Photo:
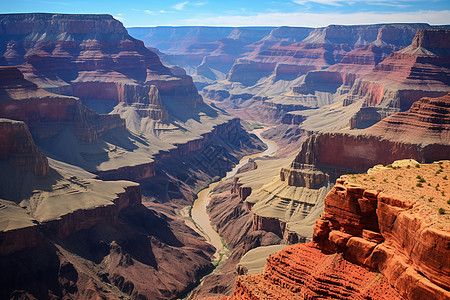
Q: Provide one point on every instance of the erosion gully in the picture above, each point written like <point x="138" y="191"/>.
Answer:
<point x="197" y="217"/>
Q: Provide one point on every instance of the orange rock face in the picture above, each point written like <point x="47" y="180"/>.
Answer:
<point x="383" y="240"/>
<point x="304" y="272"/>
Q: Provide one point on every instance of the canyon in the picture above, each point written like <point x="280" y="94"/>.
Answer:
<point x="108" y="134"/>
<point x="68" y="210"/>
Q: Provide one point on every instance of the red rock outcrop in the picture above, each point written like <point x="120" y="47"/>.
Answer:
<point x="18" y="148"/>
<point x="379" y="236"/>
<point x="304" y="272"/>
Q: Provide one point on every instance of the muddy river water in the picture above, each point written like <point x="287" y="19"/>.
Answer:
<point x="199" y="212"/>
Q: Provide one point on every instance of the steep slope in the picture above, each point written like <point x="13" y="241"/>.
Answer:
<point x="378" y="238"/>
<point x="94" y="238"/>
<point x="65" y="234"/>
<point x="72" y="132"/>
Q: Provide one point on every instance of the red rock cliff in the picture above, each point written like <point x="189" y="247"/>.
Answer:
<point x="377" y="239"/>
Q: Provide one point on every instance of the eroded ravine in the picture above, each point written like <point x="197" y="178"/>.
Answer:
<point x="199" y="216"/>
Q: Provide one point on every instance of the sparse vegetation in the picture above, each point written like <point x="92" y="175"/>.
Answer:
<point x="417" y="165"/>
<point x="445" y="177"/>
<point x="372" y="177"/>
<point x="448" y="201"/>
<point x="385" y="180"/>
<point x="443" y="193"/>
<point x="441" y="211"/>
<point x="408" y="166"/>
<point x="419" y="184"/>
<point x="430" y="199"/>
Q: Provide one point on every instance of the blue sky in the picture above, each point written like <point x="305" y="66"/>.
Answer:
<point x="314" y="13"/>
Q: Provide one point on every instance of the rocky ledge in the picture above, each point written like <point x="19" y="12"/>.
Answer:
<point x="383" y="236"/>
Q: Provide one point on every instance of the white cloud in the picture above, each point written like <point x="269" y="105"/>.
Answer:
<point x="341" y="2"/>
<point x="328" y="2"/>
<point x="201" y="3"/>
<point x="180" y="5"/>
<point x="149" y="12"/>
<point x="320" y="20"/>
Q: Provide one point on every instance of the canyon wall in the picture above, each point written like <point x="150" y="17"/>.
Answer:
<point x="383" y="243"/>
<point x="18" y="148"/>
<point x="56" y="220"/>
<point x="90" y="57"/>
<point x="367" y="66"/>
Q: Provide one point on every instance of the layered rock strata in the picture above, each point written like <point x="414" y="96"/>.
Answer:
<point x="355" y="66"/>
<point x="47" y="114"/>
<point x="372" y="223"/>
<point x="91" y="57"/>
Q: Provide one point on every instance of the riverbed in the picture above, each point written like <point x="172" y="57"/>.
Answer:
<point x="199" y="212"/>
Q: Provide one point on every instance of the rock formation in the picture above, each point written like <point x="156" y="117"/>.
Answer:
<point x="290" y="202"/>
<point x="372" y="223"/>
<point x="425" y="122"/>
<point x="334" y="64"/>
<point x="419" y="70"/>
<point x="91" y="57"/>
<point x="65" y="234"/>
<point x="207" y="53"/>
<point x="18" y="148"/>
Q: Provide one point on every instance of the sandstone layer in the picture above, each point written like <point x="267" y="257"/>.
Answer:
<point x="372" y="223"/>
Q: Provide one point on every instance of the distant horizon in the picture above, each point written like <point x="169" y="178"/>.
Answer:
<point x="251" y="13"/>
<point x="219" y="26"/>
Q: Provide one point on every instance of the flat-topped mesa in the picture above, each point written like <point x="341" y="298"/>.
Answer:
<point x="360" y="152"/>
<point x="39" y="36"/>
<point x="88" y="56"/>
<point x="18" y="149"/>
<point x="47" y="114"/>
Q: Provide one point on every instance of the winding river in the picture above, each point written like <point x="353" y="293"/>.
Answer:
<point x="199" y="212"/>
